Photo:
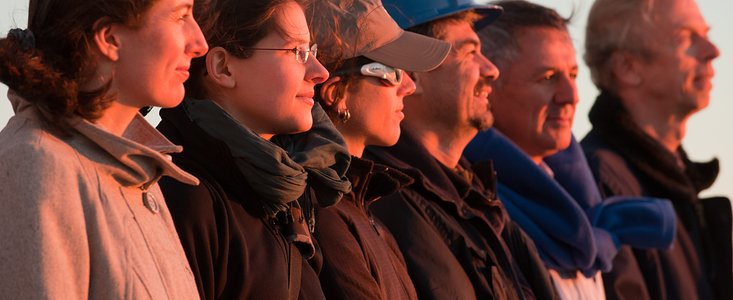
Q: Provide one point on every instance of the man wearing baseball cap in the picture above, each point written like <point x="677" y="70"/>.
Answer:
<point x="456" y="238"/>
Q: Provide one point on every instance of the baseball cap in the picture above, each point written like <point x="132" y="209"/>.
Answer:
<point x="366" y="29"/>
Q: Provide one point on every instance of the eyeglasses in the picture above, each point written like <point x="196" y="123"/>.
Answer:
<point x="388" y="75"/>
<point x="302" y="52"/>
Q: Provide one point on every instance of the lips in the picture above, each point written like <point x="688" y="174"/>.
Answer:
<point x="183" y="70"/>
<point x="306" y="95"/>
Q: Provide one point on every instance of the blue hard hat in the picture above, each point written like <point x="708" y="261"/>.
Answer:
<point x="409" y="13"/>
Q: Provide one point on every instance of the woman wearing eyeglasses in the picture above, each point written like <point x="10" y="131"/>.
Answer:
<point x="366" y="51"/>
<point x="257" y="141"/>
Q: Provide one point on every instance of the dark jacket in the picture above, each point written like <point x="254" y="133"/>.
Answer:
<point x="456" y="238"/>
<point x="626" y="161"/>
<point x="361" y="259"/>
<point x="235" y="251"/>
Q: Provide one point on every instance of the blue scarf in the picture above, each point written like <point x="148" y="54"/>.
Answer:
<point x="573" y="227"/>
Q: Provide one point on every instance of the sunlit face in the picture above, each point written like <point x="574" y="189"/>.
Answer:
<point x="376" y="111"/>
<point x="679" y="75"/>
<point x="154" y="58"/>
<point x="274" y="92"/>
<point x="534" y="101"/>
<point x="457" y="91"/>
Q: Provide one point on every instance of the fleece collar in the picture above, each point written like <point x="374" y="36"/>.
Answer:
<point x="573" y="227"/>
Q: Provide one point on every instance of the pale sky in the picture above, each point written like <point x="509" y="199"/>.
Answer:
<point x="706" y="133"/>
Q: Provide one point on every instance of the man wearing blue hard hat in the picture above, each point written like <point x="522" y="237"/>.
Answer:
<point x="456" y="237"/>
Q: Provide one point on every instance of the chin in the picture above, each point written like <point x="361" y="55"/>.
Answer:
<point x="303" y="126"/>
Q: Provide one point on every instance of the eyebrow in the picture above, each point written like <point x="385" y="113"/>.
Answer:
<point x="543" y="68"/>
<point x="187" y="6"/>
<point x="465" y="42"/>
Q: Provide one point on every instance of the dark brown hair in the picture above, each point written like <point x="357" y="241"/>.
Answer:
<point x="49" y="62"/>
<point x="233" y="25"/>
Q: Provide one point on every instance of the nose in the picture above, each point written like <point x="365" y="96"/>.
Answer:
<point x="566" y="91"/>
<point x="486" y="67"/>
<point x="315" y="72"/>
<point x="407" y="86"/>
<point x="708" y="51"/>
<point x="197" y="45"/>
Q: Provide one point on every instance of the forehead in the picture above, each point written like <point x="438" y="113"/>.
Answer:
<point x="540" y="50"/>
<point x="545" y="42"/>
<point x="291" y="20"/>
<point x="162" y="8"/>
<point x="676" y="14"/>
<point x="459" y="32"/>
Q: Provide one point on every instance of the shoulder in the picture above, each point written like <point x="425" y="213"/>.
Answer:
<point x="611" y="170"/>
<point x="189" y="202"/>
<point x="31" y="156"/>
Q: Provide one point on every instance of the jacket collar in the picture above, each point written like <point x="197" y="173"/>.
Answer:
<point x="371" y="181"/>
<point x="141" y="149"/>
<point x="468" y="199"/>
<point x="616" y="128"/>
<point x="565" y="215"/>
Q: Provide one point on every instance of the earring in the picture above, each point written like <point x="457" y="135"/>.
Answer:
<point x="344" y="115"/>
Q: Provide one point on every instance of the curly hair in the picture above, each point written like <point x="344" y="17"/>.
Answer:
<point x="49" y="70"/>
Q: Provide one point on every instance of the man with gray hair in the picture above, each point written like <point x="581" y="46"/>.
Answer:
<point x="544" y="179"/>
<point x="652" y="61"/>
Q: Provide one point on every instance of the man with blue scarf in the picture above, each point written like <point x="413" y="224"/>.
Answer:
<point x="544" y="180"/>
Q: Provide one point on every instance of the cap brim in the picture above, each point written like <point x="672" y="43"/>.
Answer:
<point x="489" y="14"/>
<point x="411" y="52"/>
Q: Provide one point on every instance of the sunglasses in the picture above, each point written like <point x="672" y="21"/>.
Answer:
<point x="388" y="75"/>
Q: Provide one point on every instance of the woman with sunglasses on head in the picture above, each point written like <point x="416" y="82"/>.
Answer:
<point x="80" y="209"/>
<point x="365" y="51"/>
<point x="258" y="142"/>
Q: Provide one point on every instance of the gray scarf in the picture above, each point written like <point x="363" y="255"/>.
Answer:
<point x="278" y="170"/>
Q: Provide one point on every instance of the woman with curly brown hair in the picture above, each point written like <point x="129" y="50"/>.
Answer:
<point x="80" y="209"/>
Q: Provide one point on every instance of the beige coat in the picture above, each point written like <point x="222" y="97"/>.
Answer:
<point x="73" y="222"/>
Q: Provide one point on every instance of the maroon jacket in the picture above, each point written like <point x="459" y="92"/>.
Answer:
<point x="361" y="259"/>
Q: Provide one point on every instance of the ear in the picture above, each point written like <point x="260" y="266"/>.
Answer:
<point x="625" y="68"/>
<point x="107" y="39"/>
<point x="328" y="89"/>
<point x="218" y="67"/>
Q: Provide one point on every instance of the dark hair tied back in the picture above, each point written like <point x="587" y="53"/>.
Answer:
<point x="24" y="38"/>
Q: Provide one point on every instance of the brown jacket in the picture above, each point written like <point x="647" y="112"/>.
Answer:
<point x="361" y="259"/>
<point x="74" y="222"/>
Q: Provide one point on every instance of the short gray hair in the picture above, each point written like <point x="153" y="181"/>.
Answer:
<point x="613" y="26"/>
<point x="498" y="40"/>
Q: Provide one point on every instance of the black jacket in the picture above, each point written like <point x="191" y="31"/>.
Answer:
<point x="235" y="251"/>
<point x="361" y="259"/>
<point x="626" y="161"/>
<point x="456" y="238"/>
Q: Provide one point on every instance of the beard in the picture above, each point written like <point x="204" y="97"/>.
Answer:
<point x="482" y="123"/>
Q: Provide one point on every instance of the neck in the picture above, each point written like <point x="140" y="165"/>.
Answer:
<point x="667" y="128"/>
<point x="355" y="144"/>
<point x="117" y="118"/>
<point x="445" y="144"/>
